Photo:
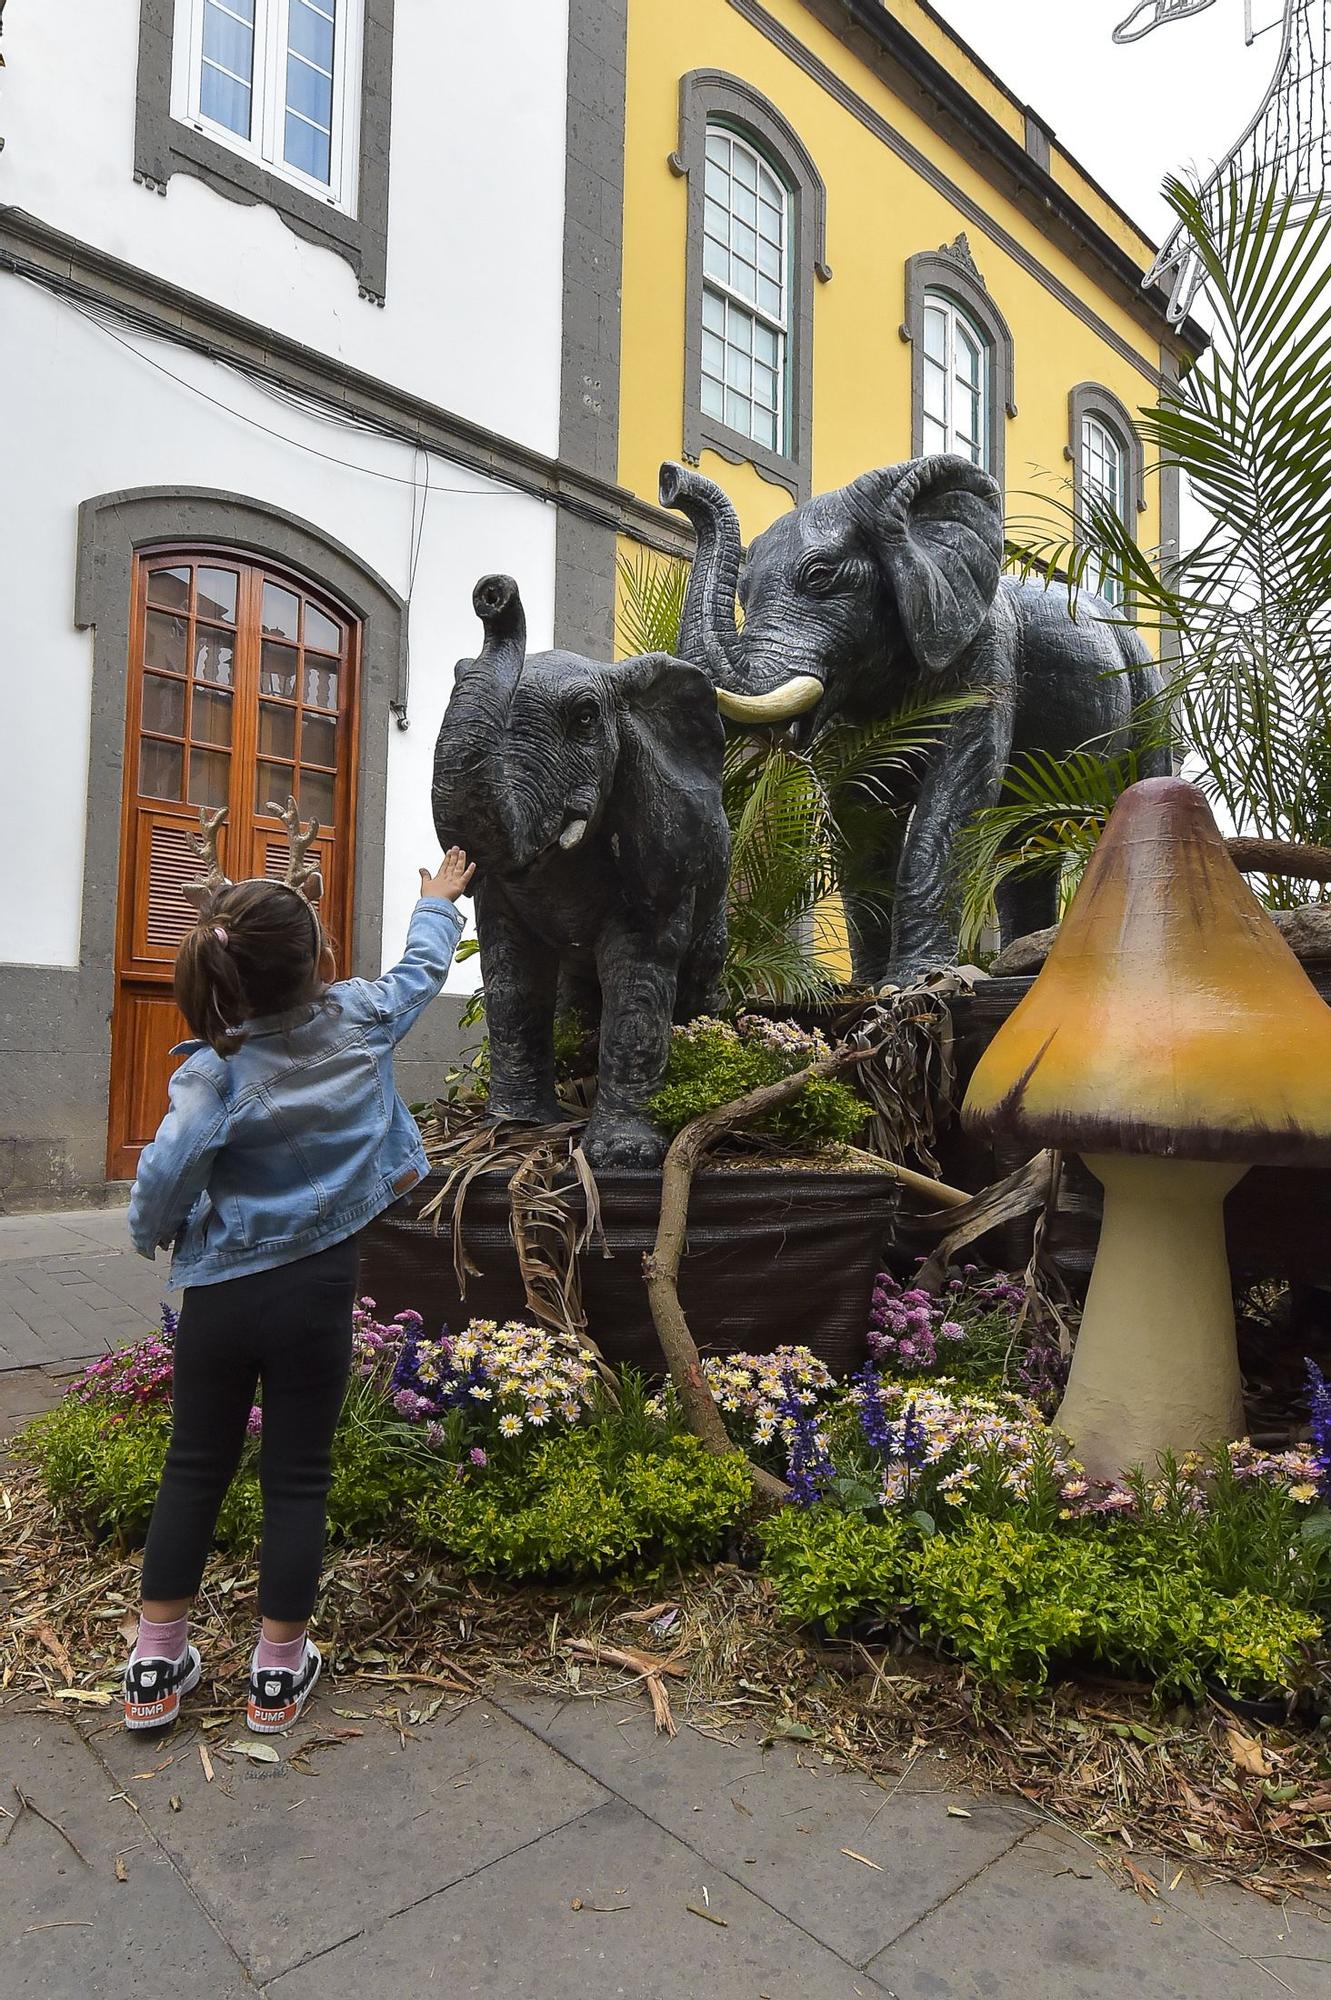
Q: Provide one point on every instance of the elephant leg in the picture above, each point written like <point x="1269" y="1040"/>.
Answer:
<point x="1027" y="903"/>
<point x="868" y="901"/>
<point x="699" y="985"/>
<point x="639" y="979"/>
<point x="964" y="774"/>
<point x="519" y="974"/>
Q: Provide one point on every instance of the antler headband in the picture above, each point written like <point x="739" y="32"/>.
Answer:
<point x="302" y="875"/>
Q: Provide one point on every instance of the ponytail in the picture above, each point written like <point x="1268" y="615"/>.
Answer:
<point x="256" y="950"/>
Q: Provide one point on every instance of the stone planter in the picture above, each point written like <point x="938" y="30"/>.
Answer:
<point x="774" y="1255"/>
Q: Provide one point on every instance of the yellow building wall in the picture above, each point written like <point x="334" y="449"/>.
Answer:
<point x="879" y="212"/>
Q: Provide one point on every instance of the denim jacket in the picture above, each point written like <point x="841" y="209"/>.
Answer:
<point x="299" y="1138"/>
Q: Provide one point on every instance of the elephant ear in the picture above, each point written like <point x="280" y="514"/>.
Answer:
<point x="936" y="527"/>
<point x="668" y="777"/>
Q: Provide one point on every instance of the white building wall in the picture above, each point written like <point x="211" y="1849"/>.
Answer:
<point x="476" y="192"/>
<point x="96" y="408"/>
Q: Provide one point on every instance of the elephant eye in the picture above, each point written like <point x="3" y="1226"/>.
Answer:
<point x="818" y="576"/>
<point x="583" y="718"/>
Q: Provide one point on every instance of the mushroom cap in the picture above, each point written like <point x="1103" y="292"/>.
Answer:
<point x="1170" y="1016"/>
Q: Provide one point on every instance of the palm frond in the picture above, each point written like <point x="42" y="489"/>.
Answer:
<point x="651" y="602"/>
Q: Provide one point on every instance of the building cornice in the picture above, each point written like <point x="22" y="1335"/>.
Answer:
<point x="892" y="52"/>
<point x="33" y="249"/>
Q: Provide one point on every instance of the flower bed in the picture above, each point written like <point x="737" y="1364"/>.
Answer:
<point x="924" y="1503"/>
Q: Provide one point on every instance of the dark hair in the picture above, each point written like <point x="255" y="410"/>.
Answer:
<point x="254" y="951"/>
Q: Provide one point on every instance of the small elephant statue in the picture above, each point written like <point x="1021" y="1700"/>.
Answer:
<point x="890" y="589"/>
<point x="590" y="798"/>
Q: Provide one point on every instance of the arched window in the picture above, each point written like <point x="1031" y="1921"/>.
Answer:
<point x="962" y="361"/>
<point x="756" y="217"/>
<point x="746" y="290"/>
<point x="957" y="381"/>
<point x="1107" y="468"/>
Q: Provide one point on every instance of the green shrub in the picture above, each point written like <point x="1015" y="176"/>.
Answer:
<point x="830" y="1568"/>
<point x="580" y="1509"/>
<point x="710" y="1064"/>
<point x="100" y="1466"/>
<point x="1011" y="1600"/>
<point x="1007" y="1598"/>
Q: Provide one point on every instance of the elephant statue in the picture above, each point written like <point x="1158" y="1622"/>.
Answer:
<point x="887" y="590"/>
<point x="590" y="798"/>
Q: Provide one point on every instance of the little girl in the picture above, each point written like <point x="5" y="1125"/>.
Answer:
<point x="284" y="1137"/>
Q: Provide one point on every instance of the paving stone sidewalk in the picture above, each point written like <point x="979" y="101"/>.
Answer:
<point x="70" y="1288"/>
<point x="541" y="1851"/>
<point x="531" y="1848"/>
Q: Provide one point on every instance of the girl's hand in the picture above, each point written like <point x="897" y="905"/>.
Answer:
<point x="450" y="878"/>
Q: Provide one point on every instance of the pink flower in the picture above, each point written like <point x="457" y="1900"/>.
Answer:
<point x="477" y="1456"/>
<point x="254" y="1422"/>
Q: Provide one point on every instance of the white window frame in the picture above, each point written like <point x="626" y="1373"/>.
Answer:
<point x="777" y="324"/>
<point x="954" y="315"/>
<point x="1106" y="585"/>
<point x="268" y="96"/>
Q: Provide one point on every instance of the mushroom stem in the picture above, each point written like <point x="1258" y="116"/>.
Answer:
<point x="1156" y="1365"/>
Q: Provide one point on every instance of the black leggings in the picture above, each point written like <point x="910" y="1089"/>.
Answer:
<point x="289" y="1330"/>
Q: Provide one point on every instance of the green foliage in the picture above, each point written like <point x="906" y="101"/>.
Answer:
<point x="808" y="826"/>
<point x="100" y="1466"/>
<point x="1012" y="1599"/>
<point x="830" y="1568"/>
<point x="652" y="590"/>
<point x="580" y="1509"/>
<point x="710" y="1065"/>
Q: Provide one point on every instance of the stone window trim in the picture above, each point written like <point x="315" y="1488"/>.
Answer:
<point x="952" y="269"/>
<point x="164" y="145"/>
<point x="1092" y="399"/>
<point x="112" y="529"/>
<point x="711" y="95"/>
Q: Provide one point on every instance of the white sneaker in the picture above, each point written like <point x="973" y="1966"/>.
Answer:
<point x="277" y="1695"/>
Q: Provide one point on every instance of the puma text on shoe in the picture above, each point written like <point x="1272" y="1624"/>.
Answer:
<point x="153" y="1689"/>
<point x="277" y="1695"/>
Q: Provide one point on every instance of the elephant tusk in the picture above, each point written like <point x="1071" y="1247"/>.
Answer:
<point x="795" y="697"/>
<point x="572" y="834"/>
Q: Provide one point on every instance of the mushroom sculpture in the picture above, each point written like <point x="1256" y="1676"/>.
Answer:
<point x="1173" y="1041"/>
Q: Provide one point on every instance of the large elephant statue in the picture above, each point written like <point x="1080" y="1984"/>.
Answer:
<point x="891" y="588"/>
<point x="590" y="798"/>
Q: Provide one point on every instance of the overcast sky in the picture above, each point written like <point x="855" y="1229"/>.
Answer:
<point x="1181" y="96"/>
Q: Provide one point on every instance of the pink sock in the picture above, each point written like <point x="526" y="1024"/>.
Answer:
<point x="288" y="1654"/>
<point x="162" y="1642"/>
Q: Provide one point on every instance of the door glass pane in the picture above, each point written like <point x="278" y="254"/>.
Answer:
<point x="316" y="796"/>
<point x="163" y="705"/>
<point x="217" y="595"/>
<point x="320" y="684"/>
<point x="214" y="655"/>
<point x="273" y="785"/>
<point x="209" y="777"/>
<point x="164" y="642"/>
<point x="170" y="586"/>
<point x="318" y="740"/>
<point x="277" y="674"/>
<point x="321" y="632"/>
<point x="210" y="721"/>
<point x="161" y="766"/>
<point x="281" y="613"/>
<point x="277" y="730"/>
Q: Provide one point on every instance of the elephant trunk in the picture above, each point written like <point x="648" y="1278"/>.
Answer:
<point x="746" y="690"/>
<point x="500" y="660"/>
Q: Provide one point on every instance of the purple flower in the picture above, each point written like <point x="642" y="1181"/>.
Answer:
<point x="808" y="1468"/>
<point x="477" y="1456"/>
<point x="913" y="1439"/>
<point x="254" y="1422"/>
<point x="1319" y="1425"/>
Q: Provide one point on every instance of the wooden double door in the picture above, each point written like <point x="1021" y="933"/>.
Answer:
<point x="242" y="691"/>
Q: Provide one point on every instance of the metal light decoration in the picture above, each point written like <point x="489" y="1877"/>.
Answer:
<point x="1286" y="139"/>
